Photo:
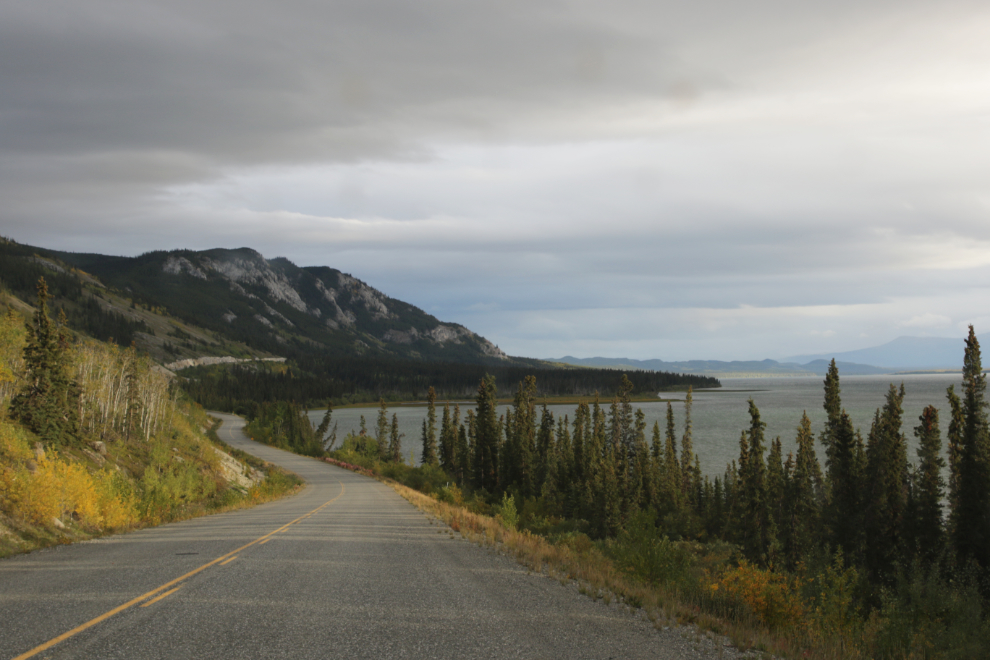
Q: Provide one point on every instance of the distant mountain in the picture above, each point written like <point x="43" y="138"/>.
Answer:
<point x="720" y="368"/>
<point x="269" y="305"/>
<point x="901" y="353"/>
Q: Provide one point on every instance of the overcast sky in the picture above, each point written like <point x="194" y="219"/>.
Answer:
<point x="674" y="180"/>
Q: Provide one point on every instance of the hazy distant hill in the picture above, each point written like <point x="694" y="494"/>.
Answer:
<point x="720" y="368"/>
<point x="902" y="353"/>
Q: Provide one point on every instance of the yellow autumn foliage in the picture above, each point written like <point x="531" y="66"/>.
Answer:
<point x="59" y="489"/>
<point x="773" y="597"/>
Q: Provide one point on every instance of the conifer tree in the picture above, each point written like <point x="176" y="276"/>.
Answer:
<point x="395" y="441"/>
<point x="971" y="518"/>
<point x="776" y="483"/>
<point x="845" y="473"/>
<point x="48" y="404"/>
<point x="463" y="455"/>
<point x="758" y="532"/>
<point x="644" y="468"/>
<point x="687" y="444"/>
<point x="382" y="430"/>
<point x="486" y="439"/>
<point x="886" y="494"/>
<point x="448" y="441"/>
<point x="954" y="438"/>
<point x="673" y="477"/>
<point x="544" y="449"/>
<point x="326" y="441"/>
<point x="429" y="456"/>
<point x="929" y="488"/>
<point x="564" y="474"/>
<point x="803" y="517"/>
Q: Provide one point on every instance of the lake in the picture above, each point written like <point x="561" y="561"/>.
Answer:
<point x="720" y="415"/>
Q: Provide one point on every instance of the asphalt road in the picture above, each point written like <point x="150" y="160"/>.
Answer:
<point x="344" y="569"/>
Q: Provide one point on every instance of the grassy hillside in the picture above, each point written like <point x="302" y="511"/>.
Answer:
<point x="130" y="450"/>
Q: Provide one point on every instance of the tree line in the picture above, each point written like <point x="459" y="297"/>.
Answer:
<point x="880" y="509"/>
<point x="343" y="380"/>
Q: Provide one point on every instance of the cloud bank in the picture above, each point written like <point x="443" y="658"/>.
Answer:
<point x="648" y="179"/>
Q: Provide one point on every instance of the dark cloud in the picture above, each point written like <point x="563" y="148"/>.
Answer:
<point x="646" y="177"/>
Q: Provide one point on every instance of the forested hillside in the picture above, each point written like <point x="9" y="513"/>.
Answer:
<point x="343" y="341"/>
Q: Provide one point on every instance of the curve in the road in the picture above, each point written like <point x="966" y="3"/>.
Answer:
<point x="344" y="569"/>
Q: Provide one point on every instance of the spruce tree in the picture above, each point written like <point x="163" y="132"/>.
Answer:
<point x="326" y="441"/>
<point x="886" y="488"/>
<point x="544" y="449"/>
<point x="971" y="518"/>
<point x="758" y="532"/>
<point x="687" y="445"/>
<point x="382" y="431"/>
<point x="803" y="516"/>
<point x="954" y="438"/>
<point x="429" y="456"/>
<point x="845" y="472"/>
<point x="929" y="487"/>
<point x="448" y="440"/>
<point x="463" y="455"/>
<point x="395" y="441"/>
<point x="486" y="439"/>
<point x="777" y="484"/>
<point x="48" y="404"/>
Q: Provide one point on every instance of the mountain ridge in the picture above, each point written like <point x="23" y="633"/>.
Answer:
<point x="274" y="302"/>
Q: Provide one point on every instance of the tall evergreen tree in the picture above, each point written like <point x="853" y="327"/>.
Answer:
<point x="463" y="466"/>
<point x="929" y="488"/>
<point x="448" y="440"/>
<point x="429" y="456"/>
<point x="758" y="530"/>
<point x="845" y="472"/>
<point x="687" y="445"/>
<point x="395" y="441"/>
<point x="971" y="518"/>
<point x="48" y="404"/>
<point x="954" y="438"/>
<point x="886" y="488"/>
<point x="803" y="510"/>
<point x="486" y="439"/>
<point x="382" y="430"/>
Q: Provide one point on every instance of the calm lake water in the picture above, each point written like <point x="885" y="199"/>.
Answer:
<point x="720" y="415"/>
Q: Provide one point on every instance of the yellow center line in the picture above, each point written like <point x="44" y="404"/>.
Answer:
<point x="134" y="601"/>
<point x="160" y="596"/>
<point x="224" y="563"/>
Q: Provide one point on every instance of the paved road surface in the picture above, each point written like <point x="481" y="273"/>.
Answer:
<point x="345" y="569"/>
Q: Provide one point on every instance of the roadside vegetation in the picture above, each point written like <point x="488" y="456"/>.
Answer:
<point x="873" y="554"/>
<point x="95" y="439"/>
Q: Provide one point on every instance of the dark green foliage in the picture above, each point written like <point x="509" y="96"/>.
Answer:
<point x="802" y="507"/>
<point x="845" y="469"/>
<point x="325" y="440"/>
<point x="448" y="441"/>
<point x="395" y="441"/>
<point x="886" y="489"/>
<point x="49" y="402"/>
<point x="758" y="529"/>
<point x="363" y="379"/>
<point x="927" y="528"/>
<point x="285" y="425"/>
<point x="429" y="453"/>
<point x="382" y="430"/>
<point x="971" y="519"/>
<point x="487" y="432"/>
